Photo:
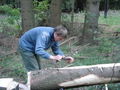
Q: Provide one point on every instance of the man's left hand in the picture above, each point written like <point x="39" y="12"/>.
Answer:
<point x="69" y="59"/>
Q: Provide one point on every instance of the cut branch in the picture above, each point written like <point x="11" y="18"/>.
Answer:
<point x="70" y="77"/>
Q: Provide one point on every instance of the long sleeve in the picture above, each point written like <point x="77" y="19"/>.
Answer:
<point x="56" y="49"/>
<point x="40" y="48"/>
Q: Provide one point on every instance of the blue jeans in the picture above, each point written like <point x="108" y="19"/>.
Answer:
<point x="30" y="60"/>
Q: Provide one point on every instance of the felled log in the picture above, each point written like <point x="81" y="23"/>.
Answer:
<point x="69" y="77"/>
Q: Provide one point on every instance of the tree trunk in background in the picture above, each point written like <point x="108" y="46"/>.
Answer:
<point x="17" y="3"/>
<point x="55" y="13"/>
<point x="72" y="13"/>
<point x="106" y="6"/>
<point x="90" y="30"/>
<point x="27" y="14"/>
<point x="2" y="2"/>
<point x="69" y="77"/>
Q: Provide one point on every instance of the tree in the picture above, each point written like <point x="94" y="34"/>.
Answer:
<point x="90" y="30"/>
<point x="17" y="4"/>
<point x="2" y="2"/>
<point x="106" y="6"/>
<point x="27" y="15"/>
<point x="55" y="13"/>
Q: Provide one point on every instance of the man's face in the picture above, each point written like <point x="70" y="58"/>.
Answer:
<point x="57" y="38"/>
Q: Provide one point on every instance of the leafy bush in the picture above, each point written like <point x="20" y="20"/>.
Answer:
<point x="11" y="24"/>
<point x="6" y="9"/>
<point x="41" y="10"/>
<point x="9" y="29"/>
<point x="67" y="5"/>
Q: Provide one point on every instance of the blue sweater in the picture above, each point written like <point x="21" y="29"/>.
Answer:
<point x="39" y="39"/>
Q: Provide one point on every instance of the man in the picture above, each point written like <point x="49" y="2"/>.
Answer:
<point x="36" y="41"/>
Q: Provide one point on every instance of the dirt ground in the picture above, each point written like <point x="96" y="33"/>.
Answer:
<point x="8" y="45"/>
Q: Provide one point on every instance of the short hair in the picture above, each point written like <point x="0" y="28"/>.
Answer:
<point x="61" y="31"/>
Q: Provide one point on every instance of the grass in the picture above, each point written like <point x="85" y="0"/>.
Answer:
<point x="11" y="67"/>
<point x="113" y="17"/>
<point x="92" y="55"/>
<point x="79" y="17"/>
<point x="106" y="52"/>
<point x="110" y="20"/>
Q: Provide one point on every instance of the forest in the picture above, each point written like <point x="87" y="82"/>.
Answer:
<point x="93" y="41"/>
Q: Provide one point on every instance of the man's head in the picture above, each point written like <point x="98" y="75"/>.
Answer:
<point x="60" y="33"/>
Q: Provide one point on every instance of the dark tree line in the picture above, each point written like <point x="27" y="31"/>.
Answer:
<point x="14" y="3"/>
<point x="79" y="4"/>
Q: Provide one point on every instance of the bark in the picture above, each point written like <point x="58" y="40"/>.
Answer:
<point x="17" y="3"/>
<point x="27" y="15"/>
<point x="106" y="6"/>
<point x="69" y="77"/>
<point x="90" y="30"/>
<point x="72" y="14"/>
<point x="55" y="13"/>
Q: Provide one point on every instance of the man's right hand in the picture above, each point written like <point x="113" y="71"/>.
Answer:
<point x="57" y="57"/>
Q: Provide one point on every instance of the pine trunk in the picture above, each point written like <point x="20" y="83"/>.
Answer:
<point x="90" y="30"/>
<point x="27" y="15"/>
<point x="55" y="13"/>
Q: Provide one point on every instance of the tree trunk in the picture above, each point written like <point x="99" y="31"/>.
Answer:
<point x="90" y="30"/>
<point x="2" y="2"/>
<point x="27" y="15"/>
<point x="17" y="3"/>
<point x="106" y="6"/>
<point x="55" y="13"/>
<point x="70" y="77"/>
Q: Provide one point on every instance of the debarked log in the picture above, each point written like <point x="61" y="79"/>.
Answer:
<point x="69" y="77"/>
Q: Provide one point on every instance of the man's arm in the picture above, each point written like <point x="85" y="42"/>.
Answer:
<point x="56" y="49"/>
<point x="40" y="46"/>
<point x="39" y="49"/>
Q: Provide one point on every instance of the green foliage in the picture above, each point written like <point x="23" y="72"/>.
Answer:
<point x="11" y="22"/>
<point x="67" y="5"/>
<point x="13" y="68"/>
<point x="5" y="9"/>
<point x="15" y="12"/>
<point x="41" y="6"/>
<point x="9" y="27"/>
<point x="113" y="18"/>
<point x="41" y="9"/>
<point x="105" y="45"/>
<point x="118" y="30"/>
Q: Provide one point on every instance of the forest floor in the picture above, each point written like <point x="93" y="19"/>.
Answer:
<point x="107" y="52"/>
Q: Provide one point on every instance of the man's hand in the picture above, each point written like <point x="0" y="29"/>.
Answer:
<point x="57" y="57"/>
<point x="69" y="59"/>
